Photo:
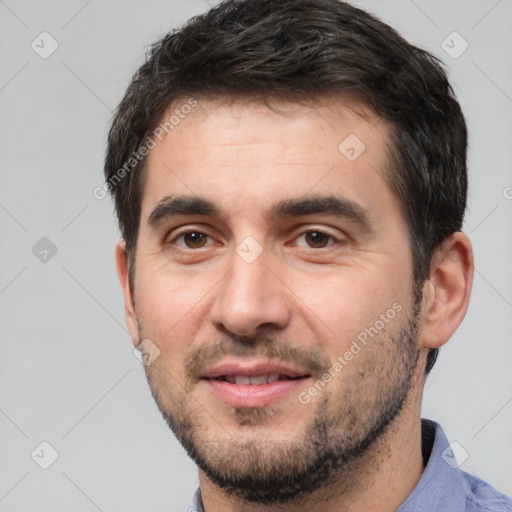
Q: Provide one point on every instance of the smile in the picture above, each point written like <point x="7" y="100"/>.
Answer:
<point x="257" y="380"/>
<point x="253" y="383"/>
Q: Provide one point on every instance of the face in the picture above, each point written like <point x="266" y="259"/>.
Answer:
<point x="273" y="274"/>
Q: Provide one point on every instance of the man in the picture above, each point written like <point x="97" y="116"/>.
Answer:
<point x="290" y="182"/>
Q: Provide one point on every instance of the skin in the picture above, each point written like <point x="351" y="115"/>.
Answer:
<point x="244" y="158"/>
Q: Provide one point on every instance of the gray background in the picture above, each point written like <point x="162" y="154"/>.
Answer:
<point x="68" y="373"/>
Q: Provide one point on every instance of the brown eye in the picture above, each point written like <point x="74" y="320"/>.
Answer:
<point x="316" y="239"/>
<point x="194" y="239"/>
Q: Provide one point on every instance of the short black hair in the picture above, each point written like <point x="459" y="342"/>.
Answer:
<point x="298" y="50"/>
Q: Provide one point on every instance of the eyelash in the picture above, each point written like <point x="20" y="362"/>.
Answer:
<point x="185" y="233"/>
<point x="331" y="238"/>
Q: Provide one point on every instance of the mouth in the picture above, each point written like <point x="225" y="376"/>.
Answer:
<point x="253" y="384"/>
<point x="256" y="380"/>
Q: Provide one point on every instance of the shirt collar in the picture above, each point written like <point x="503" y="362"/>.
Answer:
<point x="442" y="482"/>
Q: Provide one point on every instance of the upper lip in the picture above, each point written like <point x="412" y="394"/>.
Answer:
<point x="252" y="369"/>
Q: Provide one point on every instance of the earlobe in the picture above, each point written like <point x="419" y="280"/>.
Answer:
<point x="126" y="286"/>
<point x="446" y="293"/>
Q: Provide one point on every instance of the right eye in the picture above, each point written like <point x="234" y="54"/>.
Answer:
<point x="192" y="240"/>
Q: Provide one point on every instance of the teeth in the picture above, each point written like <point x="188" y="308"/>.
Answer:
<point x="257" y="380"/>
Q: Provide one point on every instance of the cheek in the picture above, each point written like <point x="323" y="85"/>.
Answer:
<point x="169" y="306"/>
<point x="344" y="303"/>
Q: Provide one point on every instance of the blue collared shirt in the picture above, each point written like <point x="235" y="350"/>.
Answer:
<point x="443" y="485"/>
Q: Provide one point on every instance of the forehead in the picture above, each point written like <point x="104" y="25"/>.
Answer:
<point x="246" y="152"/>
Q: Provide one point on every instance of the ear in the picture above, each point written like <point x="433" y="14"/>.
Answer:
<point x="129" y="305"/>
<point x="446" y="292"/>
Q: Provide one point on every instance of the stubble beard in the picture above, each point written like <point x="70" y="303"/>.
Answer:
<point x="346" y="423"/>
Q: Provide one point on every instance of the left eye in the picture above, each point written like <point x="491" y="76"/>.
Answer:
<point x="192" y="240"/>
<point x="315" y="239"/>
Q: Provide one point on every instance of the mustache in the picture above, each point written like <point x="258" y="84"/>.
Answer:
<point x="200" y="358"/>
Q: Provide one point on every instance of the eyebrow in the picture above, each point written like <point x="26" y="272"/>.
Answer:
<point x="172" y="206"/>
<point x="338" y="206"/>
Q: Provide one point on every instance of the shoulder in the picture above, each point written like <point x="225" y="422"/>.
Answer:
<point x="482" y="497"/>
<point x="444" y="486"/>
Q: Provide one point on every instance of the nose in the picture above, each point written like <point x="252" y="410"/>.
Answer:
<point x="251" y="298"/>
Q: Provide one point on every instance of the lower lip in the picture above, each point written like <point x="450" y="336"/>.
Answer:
<point x="254" y="396"/>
